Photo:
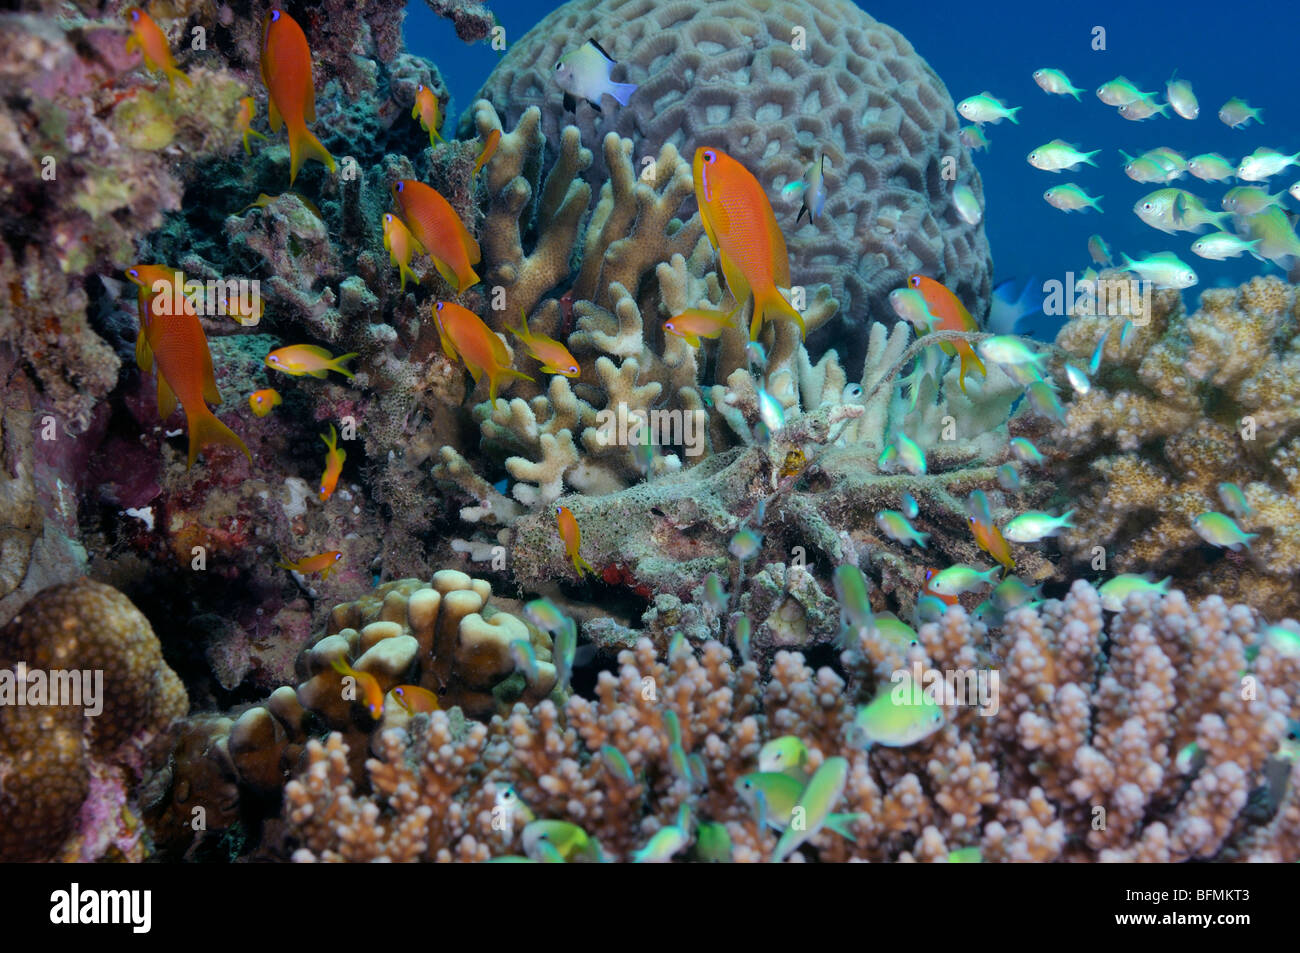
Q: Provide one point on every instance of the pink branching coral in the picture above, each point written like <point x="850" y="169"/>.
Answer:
<point x="1078" y="762"/>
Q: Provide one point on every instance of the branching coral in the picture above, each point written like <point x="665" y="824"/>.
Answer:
<point x="1075" y="763"/>
<point x="1191" y="402"/>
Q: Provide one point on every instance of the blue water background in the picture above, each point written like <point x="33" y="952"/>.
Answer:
<point x="1224" y="49"/>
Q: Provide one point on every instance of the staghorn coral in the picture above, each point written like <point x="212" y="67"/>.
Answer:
<point x="1194" y="400"/>
<point x="730" y="73"/>
<point x="67" y="773"/>
<point x="1075" y="731"/>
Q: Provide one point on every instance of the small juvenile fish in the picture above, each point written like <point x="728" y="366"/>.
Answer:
<point x="1263" y="163"/>
<point x="895" y="525"/>
<point x="770" y="412"/>
<point x="1078" y="379"/>
<point x="990" y="539"/>
<point x="1284" y="641"/>
<point x="244" y="121"/>
<point x="909" y="305"/>
<point x="401" y="245"/>
<point x="489" y="150"/>
<point x="1115" y="591"/>
<point x="1234" y="499"/>
<point x="584" y="73"/>
<point x="814" y="191"/>
<point x="910" y="454"/>
<point x="987" y="108"/>
<point x="415" y="700"/>
<point x="1180" y="96"/>
<point x="786" y="755"/>
<point x="545" y="614"/>
<point x="1249" y="200"/>
<point x="967" y="205"/>
<point x="745" y="545"/>
<point x="428" y="110"/>
<point x="1025" y="452"/>
<point x="616" y="764"/>
<point x="1009" y="477"/>
<point x="1276" y="235"/>
<point x="1237" y="112"/>
<point x="1211" y="167"/>
<point x="151" y="41"/>
<point x="852" y="593"/>
<point x="571" y="536"/>
<point x="1055" y="82"/>
<point x="823" y="792"/>
<point x="1143" y="109"/>
<point x="565" y="651"/>
<point x="894" y="724"/>
<point x="1012" y="593"/>
<point x="895" y="630"/>
<point x="661" y="847"/>
<point x="1059" y="156"/>
<point x="372" y="696"/>
<point x="1146" y="170"/>
<point x="334" y="458"/>
<point x="568" y="839"/>
<point x="1164" y="270"/>
<point x="323" y="564"/>
<point x="714" y="595"/>
<point x="1220" y="530"/>
<point x="1006" y="349"/>
<point x="1032" y="527"/>
<point x="910" y="509"/>
<point x="553" y="356"/>
<point x="695" y="323"/>
<point x="955" y="580"/>
<point x="973" y="138"/>
<point x="1094" y="362"/>
<point x="1042" y="398"/>
<point x="1071" y="198"/>
<point x="1125" y="333"/>
<point x="712" y="843"/>
<point x="1222" y="245"/>
<point x="1098" y="250"/>
<point x="525" y="658"/>
<point x="300" y="359"/>
<point x="929" y="609"/>
<point x="1120" y="92"/>
<point x="261" y="402"/>
<point x="744" y="639"/>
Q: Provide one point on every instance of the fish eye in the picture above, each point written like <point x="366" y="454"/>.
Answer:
<point x="133" y="273"/>
<point x="710" y="156"/>
<point x="275" y="16"/>
<point x="273" y="359"/>
<point x="135" y="14"/>
<point x="916" y="281"/>
<point x="388" y="218"/>
<point x="420" y="88"/>
<point x="573" y="369"/>
<point x="1146" y="206"/>
<point x="438" y="306"/>
<point x="322" y="489"/>
<point x="338" y="556"/>
<point x="400" y="186"/>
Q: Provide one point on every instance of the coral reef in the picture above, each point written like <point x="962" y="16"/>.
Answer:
<point x="67" y="772"/>
<point x="1194" y="400"/>
<point x="730" y="74"/>
<point x="1079" y="735"/>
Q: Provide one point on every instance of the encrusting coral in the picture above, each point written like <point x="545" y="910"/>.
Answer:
<point x="1078" y="735"/>
<point x="1192" y="401"/>
<point x="777" y="84"/>
<point x="68" y="772"/>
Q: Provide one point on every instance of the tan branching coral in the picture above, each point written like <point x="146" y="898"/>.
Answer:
<point x="1194" y="400"/>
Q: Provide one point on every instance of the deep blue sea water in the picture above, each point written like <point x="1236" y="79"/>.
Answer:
<point x="1225" y="50"/>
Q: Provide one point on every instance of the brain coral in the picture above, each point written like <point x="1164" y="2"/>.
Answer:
<point x="729" y="74"/>
<point x="54" y="757"/>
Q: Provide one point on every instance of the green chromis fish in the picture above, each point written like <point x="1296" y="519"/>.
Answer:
<point x="1094" y="362"/>
<point x="1145" y="170"/>
<point x="987" y="108"/>
<point x="1055" y="82"/>
<point x="715" y="597"/>
<point x="744" y="640"/>
<point x="1211" y="167"/>
<point x="1264" y="163"/>
<point x="1012" y="593"/>
<point x="616" y="764"/>
<point x="1249" y="200"/>
<point x="1098" y="250"/>
<point x="1189" y="759"/>
<point x="1009" y="477"/>
<point x="660" y="849"/>
<point x="955" y="580"/>
<point x="1221" y="530"/>
<point x="910" y="455"/>
<point x="1008" y="349"/>
<point x="712" y="844"/>
<point x="770" y="411"/>
<point x="745" y="545"/>
<point x="909" y="305"/>
<point x="1025" y="452"/>
<point x="1143" y="109"/>
<point x="774" y="796"/>
<point x="815" y="806"/>
<point x="928" y="609"/>
<point x="1235" y="500"/>
<point x="1041" y="396"/>
<point x="1114" y="591"/>
<point x="966" y="204"/>
<point x="565" y="651"/>
<point x="965" y="855"/>
<point x="852" y="593"/>
<point x="1031" y="527"/>
<point x="1276" y="235"/>
<point x="1237" y="113"/>
<point x="1223" y="245"/>
<point x="897" y="717"/>
<point x="1059" y="156"/>
<point x="785" y="755"/>
<point x="1164" y="270"/>
<point x="584" y="73"/>
<point x="673" y="725"/>
<point x="1180" y="96"/>
<point x="1070" y="198"/>
<point x="525" y="656"/>
<point x="568" y="839"/>
<point x="1120" y="92"/>
<point x="1285" y="641"/>
<point x="973" y="138"/>
<point x="910" y="508"/>
<point x="545" y="614"/>
<point x="895" y="631"/>
<point x="512" y="805"/>
<point x="1176" y="210"/>
<point x="896" y="526"/>
<point x="1078" y="379"/>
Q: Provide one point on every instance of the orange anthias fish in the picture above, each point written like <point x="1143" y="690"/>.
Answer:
<point x="300" y="359"/>
<point x="990" y="539"/>
<point x="950" y="315"/>
<point x="151" y="41"/>
<point x="151" y="295"/>
<point x="439" y="230"/>
<point x="415" y="699"/>
<point x="184" y="369"/>
<point x="428" y="111"/>
<point x="695" y="323"/>
<point x="244" y="121"/>
<point x="571" y="536"/>
<point x="334" y="458"/>
<point x="739" y="221"/>
<point x="400" y="245"/>
<point x="286" y="72"/>
<point x="323" y="564"/>
<point x="489" y="150"/>
<point x="263" y="200"/>
<point x="554" y="356"/>
<point x="263" y="401"/>
<point x="372" y="696"/>
<point x="466" y="338"/>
